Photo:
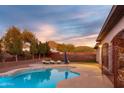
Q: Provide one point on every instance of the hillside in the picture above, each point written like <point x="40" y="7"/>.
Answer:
<point x="69" y="47"/>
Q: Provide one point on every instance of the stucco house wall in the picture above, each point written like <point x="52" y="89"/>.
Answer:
<point x="98" y="55"/>
<point x="117" y="28"/>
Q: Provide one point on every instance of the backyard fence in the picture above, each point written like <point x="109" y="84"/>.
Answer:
<point x="75" y="56"/>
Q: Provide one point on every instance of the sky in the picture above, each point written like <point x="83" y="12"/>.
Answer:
<point x="72" y="24"/>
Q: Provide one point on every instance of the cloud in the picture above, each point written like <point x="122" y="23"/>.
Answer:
<point x="48" y="32"/>
<point x="84" y="40"/>
<point x="76" y="24"/>
<point x="86" y="37"/>
<point x="80" y="40"/>
<point x="45" y="32"/>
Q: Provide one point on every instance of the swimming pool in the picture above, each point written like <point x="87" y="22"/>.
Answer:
<point x="42" y="78"/>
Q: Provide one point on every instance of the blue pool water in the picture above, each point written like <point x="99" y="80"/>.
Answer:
<point x="43" y="78"/>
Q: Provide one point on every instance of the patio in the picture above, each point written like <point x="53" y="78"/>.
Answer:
<point x="90" y="77"/>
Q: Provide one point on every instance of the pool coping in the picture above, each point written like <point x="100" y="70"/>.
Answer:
<point x="14" y="71"/>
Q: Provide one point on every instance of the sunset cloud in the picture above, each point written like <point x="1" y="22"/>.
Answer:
<point x="80" y="40"/>
<point x="45" y="32"/>
<point x="76" y="24"/>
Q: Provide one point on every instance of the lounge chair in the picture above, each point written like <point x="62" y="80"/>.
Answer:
<point x="52" y="61"/>
<point x="45" y="62"/>
<point x="58" y="61"/>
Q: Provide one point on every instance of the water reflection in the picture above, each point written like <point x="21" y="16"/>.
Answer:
<point x="27" y="77"/>
<point x="66" y="75"/>
<point x="40" y="76"/>
<point x="32" y="79"/>
<point x="46" y="78"/>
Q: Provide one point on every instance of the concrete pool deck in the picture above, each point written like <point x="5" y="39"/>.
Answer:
<point x="90" y="75"/>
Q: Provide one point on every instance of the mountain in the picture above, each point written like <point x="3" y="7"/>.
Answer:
<point x="69" y="47"/>
<point x="52" y="44"/>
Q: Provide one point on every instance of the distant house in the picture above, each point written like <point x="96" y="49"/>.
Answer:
<point x="54" y="50"/>
<point x="110" y="46"/>
<point x="26" y="47"/>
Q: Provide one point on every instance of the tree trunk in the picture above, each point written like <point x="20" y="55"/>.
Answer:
<point x="43" y="55"/>
<point x="16" y="58"/>
<point x="39" y="56"/>
<point x="33" y="56"/>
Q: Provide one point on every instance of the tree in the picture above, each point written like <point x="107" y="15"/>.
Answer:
<point x="34" y="47"/>
<point x="61" y="47"/>
<point x="65" y="47"/>
<point x="27" y="36"/>
<point x="69" y="48"/>
<point x="40" y="49"/>
<point x="0" y="49"/>
<point x="47" y="48"/>
<point x="13" y="41"/>
<point x="43" y="49"/>
<point x="0" y="46"/>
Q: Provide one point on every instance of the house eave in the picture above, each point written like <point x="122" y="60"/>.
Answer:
<point x="114" y="16"/>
